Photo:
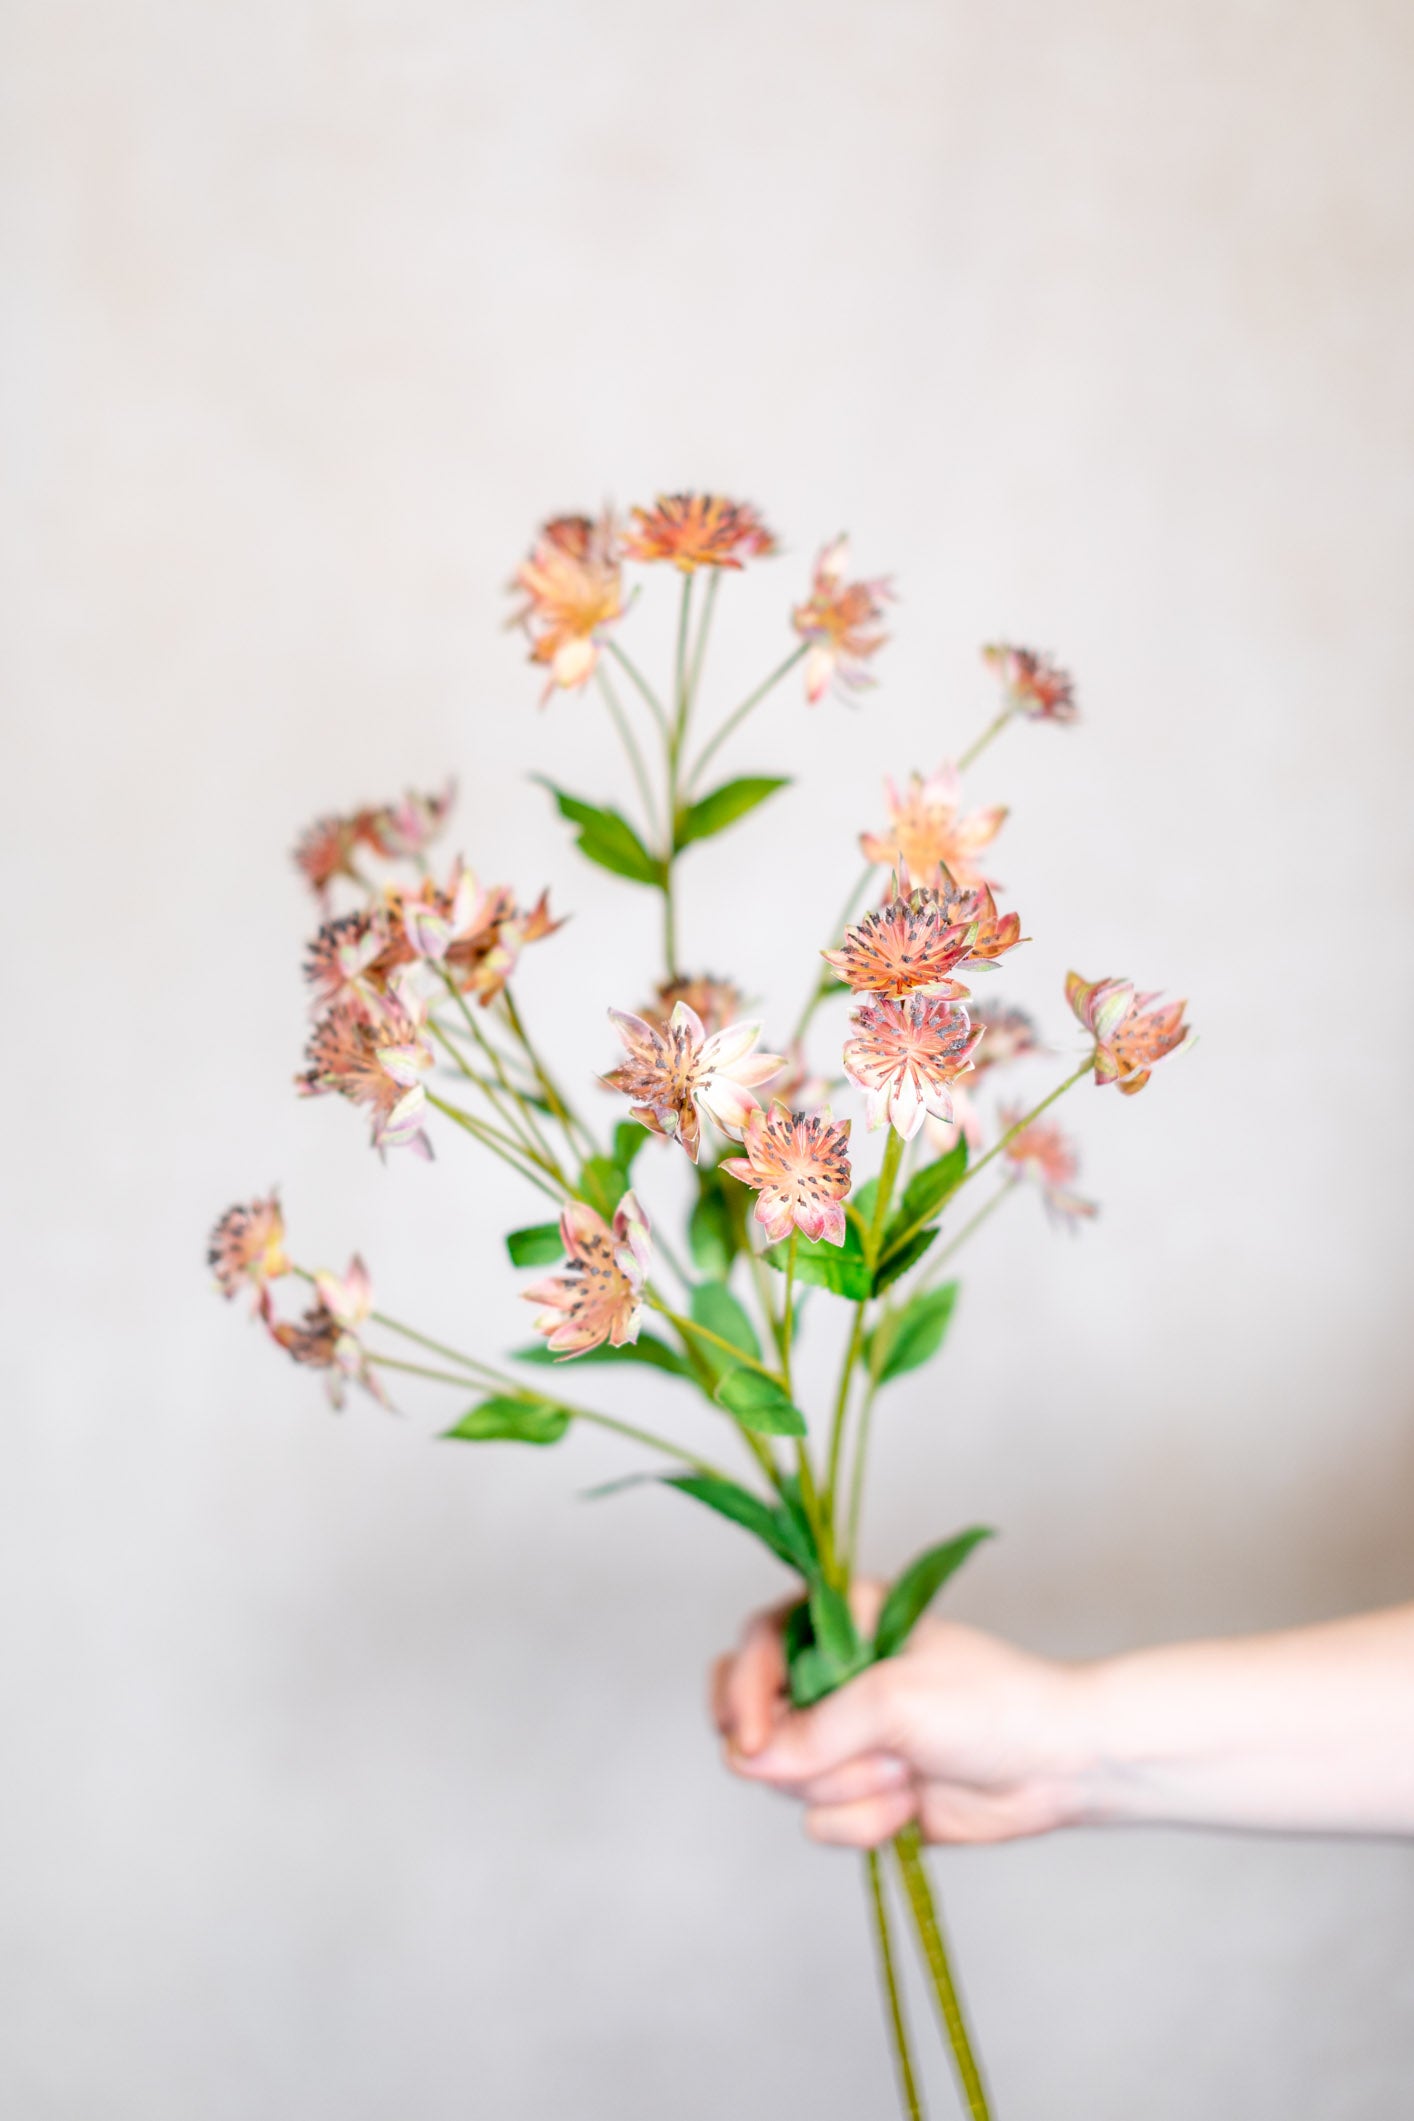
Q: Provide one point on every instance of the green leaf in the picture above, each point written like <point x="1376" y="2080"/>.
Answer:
<point x="902" y="1258"/>
<point x="629" y="1137"/>
<point x="795" y="1508"/>
<point x="507" y="1420"/>
<point x="714" y="812"/>
<point x="862" y="1201"/>
<point x="714" y="1307"/>
<point x="759" y="1403"/>
<point x="919" y="1584"/>
<point x="607" y="838"/>
<point x="822" y="1646"/>
<point x="771" y="1526"/>
<point x="711" y="1237"/>
<point x="926" y="1192"/>
<point x="913" y="1335"/>
<point x="646" y="1349"/>
<point x="535" y="1246"/>
<point x="837" y="1267"/>
<point x="603" y="1184"/>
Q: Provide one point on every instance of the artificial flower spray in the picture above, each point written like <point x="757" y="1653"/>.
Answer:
<point x="412" y="982"/>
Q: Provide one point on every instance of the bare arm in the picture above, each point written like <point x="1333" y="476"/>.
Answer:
<point x="1310" y="1730"/>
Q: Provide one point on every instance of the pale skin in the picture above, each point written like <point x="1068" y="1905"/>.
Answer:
<point x="1307" y="1731"/>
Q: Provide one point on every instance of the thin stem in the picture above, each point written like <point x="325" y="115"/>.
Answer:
<point x="903" y="2058"/>
<point x="690" y="1327"/>
<point x="940" y="1259"/>
<point x="761" y="1279"/>
<point x="492" y="1139"/>
<point x="554" y="1097"/>
<point x="908" y="1848"/>
<point x="704" y="628"/>
<point x="893" y="1156"/>
<point x="424" y="1340"/>
<point x="979" y="744"/>
<point x="821" y="992"/>
<point x="630" y="744"/>
<point x="524" y="1140"/>
<point x="739" y="714"/>
<point x="673" y="753"/>
<point x="640" y="684"/>
<point x="420" y="1369"/>
<point x="547" y="1154"/>
<point x="788" y="1314"/>
<point x="1035" y="1113"/>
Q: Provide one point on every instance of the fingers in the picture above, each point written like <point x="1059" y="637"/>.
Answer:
<point x="752" y="1685"/>
<point x="872" y="1775"/>
<point x="866" y="1824"/>
<point x="857" y="1720"/>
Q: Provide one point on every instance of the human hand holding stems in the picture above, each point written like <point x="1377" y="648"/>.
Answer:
<point x="419" y="1023"/>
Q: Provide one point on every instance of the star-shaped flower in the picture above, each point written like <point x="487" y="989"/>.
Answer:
<point x="1033" y="684"/>
<point x="1132" y="1032"/>
<point x="841" y="621"/>
<point x="905" y="1054"/>
<point x="926" y="827"/>
<point x="248" y="1250"/>
<point x="573" y="588"/>
<point x="327" y="1337"/>
<point x="1046" y="1156"/>
<point x="599" y="1295"/>
<point x="698" y="530"/>
<point x="675" y="1074"/>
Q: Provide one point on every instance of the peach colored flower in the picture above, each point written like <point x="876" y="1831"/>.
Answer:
<point x="325" y="850"/>
<point x="905" y="1054"/>
<point x="483" y="955"/>
<point x="1046" y="1156"/>
<point x="1033" y="684"/>
<point x="927" y="828"/>
<point x="326" y="1338"/>
<point x="698" y="530"/>
<point x="910" y="942"/>
<point x="1132" y="1033"/>
<point x="675" y="1075"/>
<point x="715" y="1002"/>
<point x="798" y="1162"/>
<point x="841" y="621"/>
<point x="343" y="954"/>
<point x="248" y="1249"/>
<point x="599" y="1295"/>
<point x="573" y="585"/>
<point x="370" y="1049"/>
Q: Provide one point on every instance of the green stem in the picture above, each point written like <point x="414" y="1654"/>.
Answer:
<point x="673" y="756"/>
<point x="630" y="744"/>
<point x="420" y="1369"/>
<point x="699" y="653"/>
<point x="554" y="1098"/>
<point x="738" y="714"/>
<point x="903" y="2058"/>
<point x="424" y="1340"/>
<point x="908" y="1849"/>
<point x="761" y="1278"/>
<point x="1034" y="1114"/>
<point x="690" y="1327"/>
<point x="499" y="1144"/>
<point x="940" y="1259"/>
<point x="979" y="744"/>
<point x="529" y="1145"/>
<point x="788" y="1314"/>
<point x="822" y="993"/>
<point x="547" y="1154"/>
<point x="640" y="684"/>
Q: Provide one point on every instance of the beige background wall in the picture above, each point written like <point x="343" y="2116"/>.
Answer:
<point x="347" y="1776"/>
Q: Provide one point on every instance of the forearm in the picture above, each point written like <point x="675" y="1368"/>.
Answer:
<point x="1311" y="1730"/>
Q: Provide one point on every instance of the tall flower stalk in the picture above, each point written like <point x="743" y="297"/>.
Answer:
<point x="413" y="976"/>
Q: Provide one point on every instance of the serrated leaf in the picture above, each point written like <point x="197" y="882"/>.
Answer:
<point x="926" y="1192"/>
<point x="902" y="1258"/>
<point x="646" y="1349"/>
<point x="837" y="1267"/>
<point x="913" y="1335"/>
<point x="606" y="837"/>
<point x="714" y="812"/>
<point x="507" y="1420"/>
<point x="772" y="1527"/>
<point x="919" y="1584"/>
<point x="714" y="1307"/>
<point x="535" y="1246"/>
<point x="602" y="1183"/>
<point x="759" y="1403"/>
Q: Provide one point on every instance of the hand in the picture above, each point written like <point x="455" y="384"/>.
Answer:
<point x="972" y="1738"/>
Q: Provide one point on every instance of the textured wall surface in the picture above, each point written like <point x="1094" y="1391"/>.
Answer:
<point x="347" y="1775"/>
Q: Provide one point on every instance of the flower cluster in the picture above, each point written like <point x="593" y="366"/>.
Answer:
<point x="329" y="848"/>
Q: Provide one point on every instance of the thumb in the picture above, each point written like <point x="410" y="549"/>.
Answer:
<point x="810" y="1742"/>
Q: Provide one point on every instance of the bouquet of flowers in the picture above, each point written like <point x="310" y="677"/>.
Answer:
<point x="412" y="976"/>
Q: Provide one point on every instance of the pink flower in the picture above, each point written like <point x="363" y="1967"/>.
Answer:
<point x="342" y="955"/>
<point x="407" y="828"/>
<point x="325" y="850"/>
<point x="716" y="1002"/>
<point x="248" y="1249"/>
<point x="1033" y="683"/>
<point x="905" y="1054"/>
<point x="698" y="530"/>
<point x="326" y="1338"/>
<point x="370" y="1049"/>
<point x="1046" y="1156"/>
<point x="676" y="1074"/>
<point x="913" y="941"/>
<point x="841" y="620"/>
<point x="926" y="827"/>
<point x="573" y="585"/>
<point x="599" y="1295"/>
<point x="799" y="1166"/>
<point x="1132" y="1033"/>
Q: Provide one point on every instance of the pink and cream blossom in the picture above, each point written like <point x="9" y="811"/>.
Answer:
<point x="1033" y="684"/>
<point x="327" y="1337"/>
<point x="599" y="1294"/>
<point x="1132" y="1032"/>
<point x="371" y="1050"/>
<point x="911" y="942"/>
<point x="1044" y="1155"/>
<point x="905" y="1054"/>
<point x="674" y="1075"/>
<point x="572" y="582"/>
<point x="841" y="621"/>
<point x="715" y="1002"/>
<point x="247" y="1250"/>
<point x="798" y="1162"/>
